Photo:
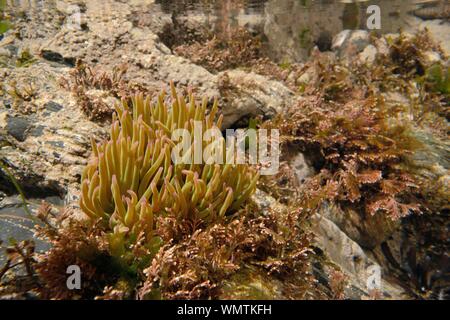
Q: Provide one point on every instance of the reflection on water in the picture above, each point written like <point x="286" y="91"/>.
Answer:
<point x="291" y="28"/>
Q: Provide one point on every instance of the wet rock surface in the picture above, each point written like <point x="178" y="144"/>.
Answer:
<point x="17" y="225"/>
<point x="251" y="95"/>
<point x="352" y="259"/>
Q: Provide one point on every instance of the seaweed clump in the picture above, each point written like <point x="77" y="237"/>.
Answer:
<point x="209" y="262"/>
<point x="364" y="140"/>
<point x="72" y="242"/>
<point x="220" y="53"/>
<point x="30" y="274"/>
<point x="417" y="68"/>
<point x="205" y="264"/>
<point x="86" y="82"/>
<point x="361" y="155"/>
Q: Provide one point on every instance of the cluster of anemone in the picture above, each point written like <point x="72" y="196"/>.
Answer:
<point x="132" y="178"/>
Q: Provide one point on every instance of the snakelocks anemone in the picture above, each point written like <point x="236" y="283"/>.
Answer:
<point x="131" y="178"/>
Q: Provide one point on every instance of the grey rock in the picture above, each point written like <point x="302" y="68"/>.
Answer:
<point x="341" y="249"/>
<point x="351" y="259"/>
<point x="53" y="106"/>
<point x="251" y="95"/>
<point x="368" y="55"/>
<point x="366" y="230"/>
<point x="37" y="131"/>
<point x="57" y="144"/>
<point x="431" y="57"/>
<point x="302" y="168"/>
<point x="13" y="50"/>
<point x="17" y="127"/>
<point x="437" y="28"/>
<point x="5" y="53"/>
<point x="359" y="39"/>
<point x="340" y="39"/>
<point x="57" y="57"/>
<point x="16" y="224"/>
<point x="349" y="43"/>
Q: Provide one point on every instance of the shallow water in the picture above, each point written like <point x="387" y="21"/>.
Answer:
<point x="291" y="28"/>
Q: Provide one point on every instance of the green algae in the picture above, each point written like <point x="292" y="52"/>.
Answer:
<point x="5" y="24"/>
<point x="438" y="77"/>
<point x="25" y="59"/>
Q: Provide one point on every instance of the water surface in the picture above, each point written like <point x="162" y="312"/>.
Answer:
<point x="291" y="28"/>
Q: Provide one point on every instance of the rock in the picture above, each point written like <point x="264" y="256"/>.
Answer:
<point x="366" y="230"/>
<point x="431" y="57"/>
<point x="340" y="39"/>
<point x="252" y="283"/>
<point x="382" y="46"/>
<point x="153" y="17"/>
<point x="305" y="78"/>
<point x="5" y="53"/>
<point x="368" y="55"/>
<point x="302" y="169"/>
<point x="359" y="39"/>
<point x="37" y="131"/>
<point x="348" y="43"/>
<point x="52" y="106"/>
<point x="57" y="57"/>
<point x="17" y="127"/>
<point x="351" y="259"/>
<point x="16" y="224"/>
<point x="341" y="249"/>
<point x="438" y="30"/>
<point x="433" y="10"/>
<point x="266" y="202"/>
<point x="251" y="95"/>
<point x="181" y="71"/>
<point x="46" y="150"/>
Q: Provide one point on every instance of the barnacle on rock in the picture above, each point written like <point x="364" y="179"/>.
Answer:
<point x="131" y="178"/>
